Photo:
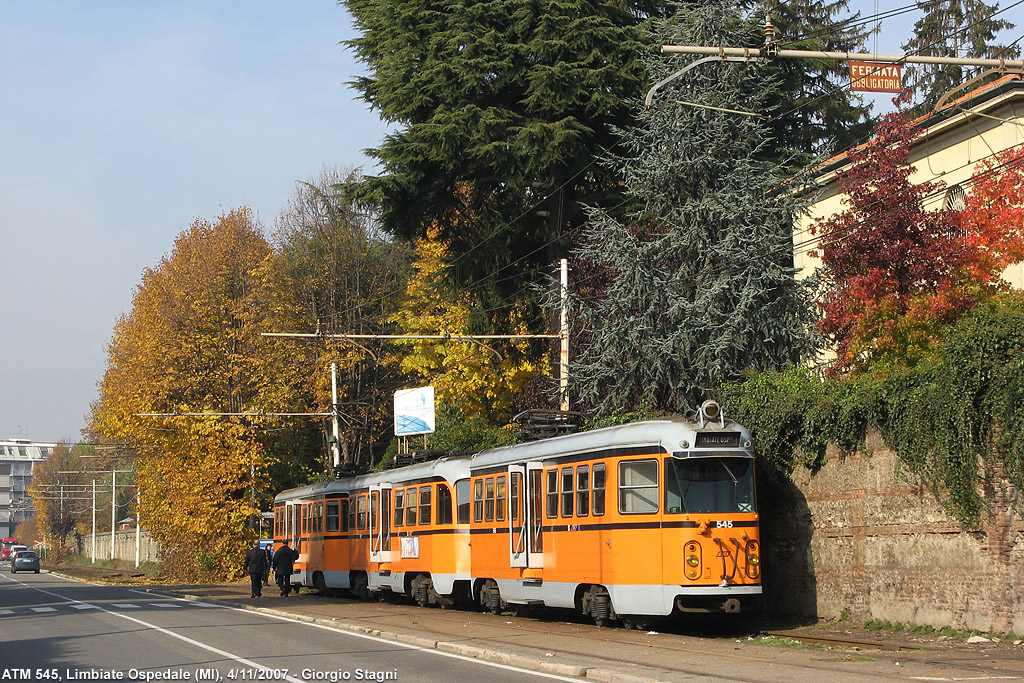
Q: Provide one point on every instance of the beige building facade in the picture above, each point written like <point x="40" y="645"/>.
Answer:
<point x="954" y="141"/>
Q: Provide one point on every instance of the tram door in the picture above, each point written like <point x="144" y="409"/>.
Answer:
<point x="293" y="519"/>
<point x="380" y="523"/>
<point x="526" y="532"/>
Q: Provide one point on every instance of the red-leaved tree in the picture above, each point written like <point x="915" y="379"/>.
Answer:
<point x="895" y="273"/>
<point x="993" y="217"/>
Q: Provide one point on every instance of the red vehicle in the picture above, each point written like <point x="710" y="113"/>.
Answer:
<point x="5" y="549"/>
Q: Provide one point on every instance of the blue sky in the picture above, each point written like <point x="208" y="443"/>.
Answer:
<point x="120" y="122"/>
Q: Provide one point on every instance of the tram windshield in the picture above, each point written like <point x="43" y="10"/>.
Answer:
<point x="709" y="484"/>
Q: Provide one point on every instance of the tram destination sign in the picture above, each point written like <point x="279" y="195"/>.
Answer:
<point x="720" y="439"/>
<point x="876" y="77"/>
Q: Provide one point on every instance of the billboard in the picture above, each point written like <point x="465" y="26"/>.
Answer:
<point x="414" y="411"/>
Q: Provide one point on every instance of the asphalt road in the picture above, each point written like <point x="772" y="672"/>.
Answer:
<point x="53" y="629"/>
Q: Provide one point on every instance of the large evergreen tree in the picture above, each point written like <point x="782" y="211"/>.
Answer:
<point x="815" y="111"/>
<point x="952" y="28"/>
<point x="699" y="284"/>
<point x="500" y="108"/>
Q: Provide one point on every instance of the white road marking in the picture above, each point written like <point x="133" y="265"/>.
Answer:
<point x="125" y="605"/>
<point x="172" y="634"/>
<point x="482" y="662"/>
<point x="84" y="606"/>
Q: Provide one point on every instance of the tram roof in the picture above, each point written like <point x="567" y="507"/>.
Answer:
<point x="666" y="434"/>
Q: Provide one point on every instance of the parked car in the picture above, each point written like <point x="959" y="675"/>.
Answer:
<point x="26" y="561"/>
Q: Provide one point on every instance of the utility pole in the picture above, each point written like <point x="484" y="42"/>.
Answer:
<point x="94" y="521"/>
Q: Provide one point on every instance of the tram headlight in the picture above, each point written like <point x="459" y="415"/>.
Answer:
<point x="753" y="565"/>
<point x="710" y="410"/>
<point x="691" y="558"/>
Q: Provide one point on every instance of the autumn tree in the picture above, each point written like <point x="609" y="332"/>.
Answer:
<point x="895" y="273"/>
<point x="697" y="284"/>
<point x="482" y="378"/>
<point x="992" y="220"/>
<point x="339" y="274"/>
<point x="953" y="28"/>
<point x="191" y="344"/>
<point x="58" y="491"/>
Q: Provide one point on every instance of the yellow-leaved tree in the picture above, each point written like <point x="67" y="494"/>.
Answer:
<point x="192" y="344"/>
<point x="484" y="377"/>
<point x="341" y="275"/>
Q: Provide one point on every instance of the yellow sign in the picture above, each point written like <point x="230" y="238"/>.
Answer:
<point x="876" y="77"/>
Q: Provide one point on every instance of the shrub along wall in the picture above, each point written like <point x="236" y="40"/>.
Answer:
<point x="894" y="493"/>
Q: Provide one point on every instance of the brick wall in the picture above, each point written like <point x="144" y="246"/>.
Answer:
<point x="861" y="537"/>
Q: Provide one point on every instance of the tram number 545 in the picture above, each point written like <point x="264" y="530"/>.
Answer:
<point x="724" y="524"/>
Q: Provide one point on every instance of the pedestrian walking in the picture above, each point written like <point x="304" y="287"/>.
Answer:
<point x="255" y="565"/>
<point x="269" y="550"/>
<point x="284" y="558"/>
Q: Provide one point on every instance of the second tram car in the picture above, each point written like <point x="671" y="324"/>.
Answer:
<point x="632" y="522"/>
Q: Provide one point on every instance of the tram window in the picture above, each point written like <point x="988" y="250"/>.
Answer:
<point x="515" y="482"/>
<point x="399" y="507"/>
<point x="709" y="485"/>
<point x="582" y="490"/>
<point x="343" y="516"/>
<point x="462" y="500"/>
<point x="304" y="524"/>
<point x="361" y="512"/>
<point x="374" y="507"/>
<point x="410" y="506"/>
<point x="567" y="491"/>
<point x="424" y="505"/>
<point x="352" y="514"/>
<point x="489" y="499"/>
<point x="444" y="504"/>
<point x="598" y="497"/>
<point x="638" y="486"/>
<point x="279" y="523"/>
<point x="552" y="494"/>
<point x="478" y="500"/>
<point x="318" y="517"/>
<point x="500" y="498"/>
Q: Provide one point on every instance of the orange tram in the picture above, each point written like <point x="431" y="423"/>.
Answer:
<point x="628" y="522"/>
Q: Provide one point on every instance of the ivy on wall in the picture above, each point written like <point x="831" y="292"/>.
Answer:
<point x="947" y="417"/>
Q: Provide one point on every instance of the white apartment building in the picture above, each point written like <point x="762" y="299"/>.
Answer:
<point x="18" y="457"/>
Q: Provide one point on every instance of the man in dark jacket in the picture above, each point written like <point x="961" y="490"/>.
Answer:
<point x="284" y="558"/>
<point x="256" y="564"/>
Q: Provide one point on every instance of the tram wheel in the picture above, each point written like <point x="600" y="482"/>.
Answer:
<point x="360" y="588"/>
